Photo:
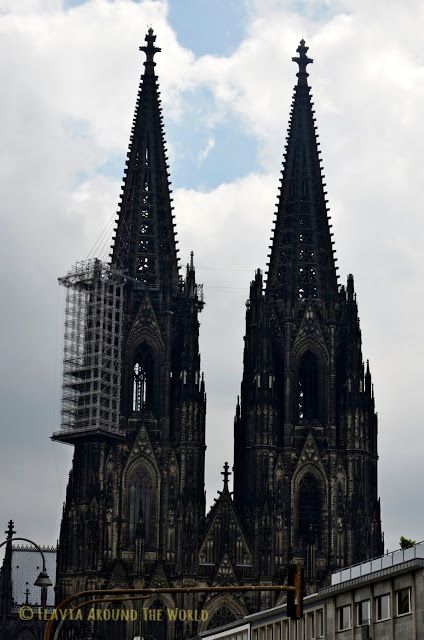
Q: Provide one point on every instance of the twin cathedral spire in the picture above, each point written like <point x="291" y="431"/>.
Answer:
<point x="305" y="429"/>
<point x="305" y="436"/>
<point x="145" y="243"/>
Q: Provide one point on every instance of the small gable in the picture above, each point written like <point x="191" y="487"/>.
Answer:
<point x="118" y="579"/>
<point x="146" y="325"/>
<point x="224" y="536"/>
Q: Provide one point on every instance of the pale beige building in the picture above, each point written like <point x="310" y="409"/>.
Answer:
<point x="382" y="599"/>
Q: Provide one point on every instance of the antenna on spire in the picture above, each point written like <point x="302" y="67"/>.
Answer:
<point x="302" y="60"/>
<point x="150" y="49"/>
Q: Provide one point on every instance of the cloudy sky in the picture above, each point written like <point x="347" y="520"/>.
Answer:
<point x="69" y="71"/>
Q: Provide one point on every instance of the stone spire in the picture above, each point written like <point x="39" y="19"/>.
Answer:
<point x="145" y="244"/>
<point x="302" y="264"/>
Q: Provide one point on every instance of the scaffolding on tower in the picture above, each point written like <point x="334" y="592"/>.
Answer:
<point x="92" y="352"/>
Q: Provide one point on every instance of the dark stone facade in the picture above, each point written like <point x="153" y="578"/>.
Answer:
<point x="305" y="459"/>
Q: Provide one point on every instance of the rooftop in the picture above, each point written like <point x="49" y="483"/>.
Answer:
<point x="377" y="564"/>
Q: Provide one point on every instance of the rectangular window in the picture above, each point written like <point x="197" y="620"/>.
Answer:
<point x="343" y="617"/>
<point x="310" y="626"/>
<point x="319" y="623"/>
<point x="403" y="601"/>
<point x="363" y="609"/>
<point x="383" y="607"/>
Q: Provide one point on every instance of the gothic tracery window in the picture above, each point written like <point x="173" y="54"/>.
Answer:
<point x="114" y="628"/>
<point x="221" y="617"/>
<point x="309" y="510"/>
<point x="156" y="628"/>
<point x="140" y="387"/>
<point x="307" y="400"/>
<point x="143" y="383"/>
<point x="143" y="507"/>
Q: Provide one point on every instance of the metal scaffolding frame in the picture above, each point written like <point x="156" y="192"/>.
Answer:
<point x="92" y="349"/>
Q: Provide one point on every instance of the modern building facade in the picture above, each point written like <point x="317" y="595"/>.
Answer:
<point x="381" y="599"/>
<point x="134" y="401"/>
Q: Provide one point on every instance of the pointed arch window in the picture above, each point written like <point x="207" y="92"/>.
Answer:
<point x="114" y="625"/>
<point x="224" y="615"/>
<point x="143" y="380"/>
<point x="340" y="500"/>
<point x="309" y="510"/>
<point x="143" y="507"/>
<point x="209" y="550"/>
<point x="140" y="387"/>
<point x="157" y="628"/>
<point x="307" y="399"/>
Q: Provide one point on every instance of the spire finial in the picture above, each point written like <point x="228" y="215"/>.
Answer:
<point x="192" y="260"/>
<point x="150" y="49"/>
<point x="302" y="60"/>
<point x="226" y="474"/>
<point x="10" y="530"/>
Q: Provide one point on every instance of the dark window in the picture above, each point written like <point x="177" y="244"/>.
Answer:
<point x="383" y="607"/>
<point x="319" y="623"/>
<point x="403" y="600"/>
<point x="156" y="624"/>
<point x="143" y="507"/>
<point x="307" y="391"/>
<point x="314" y="625"/>
<point x="343" y="618"/>
<point x="310" y="507"/>
<point x="140" y="387"/>
<point x="143" y="374"/>
<point x="114" y="623"/>
<point x="221" y="617"/>
<point x="310" y="634"/>
<point x="363" y="612"/>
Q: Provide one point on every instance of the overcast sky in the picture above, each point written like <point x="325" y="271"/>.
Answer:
<point x="69" y="72"/>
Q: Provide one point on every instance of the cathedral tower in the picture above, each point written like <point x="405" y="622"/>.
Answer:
<point x="134" y="402"/>
<point x="135" y="502"/>
<point x="305" y="459"/>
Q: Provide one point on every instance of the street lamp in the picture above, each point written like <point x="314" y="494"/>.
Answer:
<point x="43" y="579"/>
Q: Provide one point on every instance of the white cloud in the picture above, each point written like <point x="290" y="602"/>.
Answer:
<point x="206" y="150"/>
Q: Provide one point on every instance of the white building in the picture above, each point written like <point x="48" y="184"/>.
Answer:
<point x="381" y="599"/>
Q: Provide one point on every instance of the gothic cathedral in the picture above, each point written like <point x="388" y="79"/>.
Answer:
<point x="134" y="403"/>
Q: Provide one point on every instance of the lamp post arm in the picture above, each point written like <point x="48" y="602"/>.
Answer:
<point x="31" y="542"/>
